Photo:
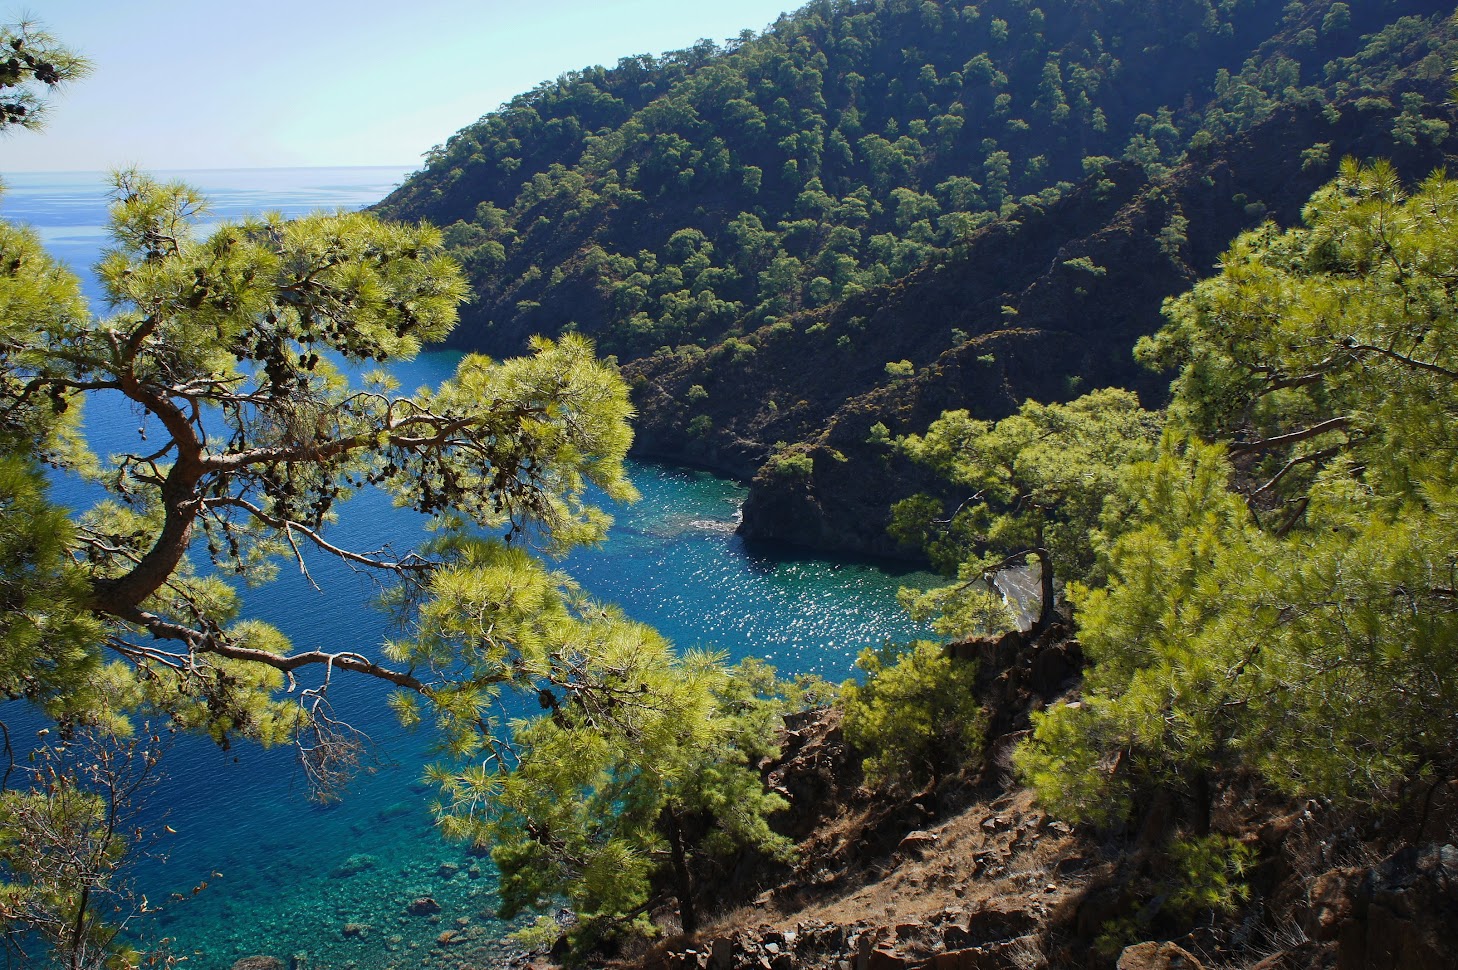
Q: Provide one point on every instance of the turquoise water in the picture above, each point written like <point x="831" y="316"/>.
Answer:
<point x="285" y="876"/>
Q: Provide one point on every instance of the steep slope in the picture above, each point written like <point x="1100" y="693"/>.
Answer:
<point x="826" y="233"/>
<point x="1046" y="304"/>
<point x="1069" y="328"/>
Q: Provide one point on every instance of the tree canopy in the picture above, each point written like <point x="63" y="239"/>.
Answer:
<point x="252" y="357"/>
<point x="1279" y="595"/>
<point x="1035" y="484"/>
<point x="682" y="200"/>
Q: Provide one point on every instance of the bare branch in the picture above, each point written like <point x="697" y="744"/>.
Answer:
<point x="1405" y="360"/>
<point x="201" y="642"/>
<point x="1294" y="463"/>
<point x="410" y="563"/>
<point x="1280" y="441"/>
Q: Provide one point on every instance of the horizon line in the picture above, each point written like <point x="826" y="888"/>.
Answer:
<point x="199" y="168"/>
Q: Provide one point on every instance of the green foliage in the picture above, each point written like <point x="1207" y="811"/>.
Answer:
<point x="1208" y="873"/>
<point x="845" y="146"/>
<point x="1200" y="875"/>
<point x="972" y="607"/>
<point x="597" y="801"/>
<point x="1085" y="265"/>
<point x="1038" y="481"/>
<point x="1317" y="156"/>
<point x="1293" y="618"/>
<point x="790" y="463"/>
<point x="35" y="65"/>
<point x="65" y="829"/>
<point x="48" y="639"/>
<point x="916" y="716"/>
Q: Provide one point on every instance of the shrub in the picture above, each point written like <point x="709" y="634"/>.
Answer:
<point x="916" y="717"/>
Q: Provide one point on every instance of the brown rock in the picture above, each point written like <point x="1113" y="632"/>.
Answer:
<point x="917" y="841"/>
<point x="1330" y="903"/>
<point x="883" y="959"/>
<point x="259" y="963"/>
<point x="997" y="920"/>
<point x="974" y="958"/>
<point x="1158" y="956"/>
<point x="721" y="953"/>
<point x="424" y="906"/>
<point x="356" y="930"/>
<point x="1405" y="914"/>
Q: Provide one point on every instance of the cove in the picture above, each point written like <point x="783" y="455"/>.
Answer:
<point x="283" y="876"/>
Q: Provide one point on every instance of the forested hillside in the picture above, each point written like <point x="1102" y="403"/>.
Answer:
<point x="873" y="211"/>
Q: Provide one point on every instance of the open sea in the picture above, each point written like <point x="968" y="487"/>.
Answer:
<point x="284" y="876"/>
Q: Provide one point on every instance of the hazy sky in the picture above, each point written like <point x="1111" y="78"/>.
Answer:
<point x="181" y="84"/>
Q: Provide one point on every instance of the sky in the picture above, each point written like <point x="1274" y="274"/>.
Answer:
<point x="204" y="84"/>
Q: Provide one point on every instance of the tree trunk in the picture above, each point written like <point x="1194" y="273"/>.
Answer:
<point x="688" y="917"/>
<point x="1045" y="578"/>
<point x="1203" y="795"/>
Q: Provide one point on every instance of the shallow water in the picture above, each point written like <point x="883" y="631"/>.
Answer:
<point x="285" y="876"/>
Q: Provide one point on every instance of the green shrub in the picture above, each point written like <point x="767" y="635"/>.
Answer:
<point x="916" y="717"/>
<point x="790" y="464"/>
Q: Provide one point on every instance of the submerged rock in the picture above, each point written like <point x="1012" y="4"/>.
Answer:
<point x="424" y="906"/>
<point x="259" y="963"/>
<point x="354" y="865"/>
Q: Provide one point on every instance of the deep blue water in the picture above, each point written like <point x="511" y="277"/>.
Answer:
<point x="672" y="560"/>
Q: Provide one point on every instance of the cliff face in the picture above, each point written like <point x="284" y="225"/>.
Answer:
<point x="1046" y="304"/>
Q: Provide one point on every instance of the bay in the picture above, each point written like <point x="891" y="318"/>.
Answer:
<point x="284" y="876"/>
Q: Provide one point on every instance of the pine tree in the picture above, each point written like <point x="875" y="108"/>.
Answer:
<point x="1035" y="484"/>
<point x="1280" y="593"/>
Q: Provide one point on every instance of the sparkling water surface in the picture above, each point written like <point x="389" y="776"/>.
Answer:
<point x="284" y="876"/>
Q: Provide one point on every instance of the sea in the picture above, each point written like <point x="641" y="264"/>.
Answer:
<point x="239" y="862"/>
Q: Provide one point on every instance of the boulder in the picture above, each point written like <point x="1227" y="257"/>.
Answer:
<point x="1404" y="913"/>
<point x="354" y="865"/>
<point x="259" y="963"/>
<point x="883" y="959"/>
<point x="356" y="931"/>
<point x="1158" y="956"/>
<point x="424" y="906"/>
<point x="917" y="842"/>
